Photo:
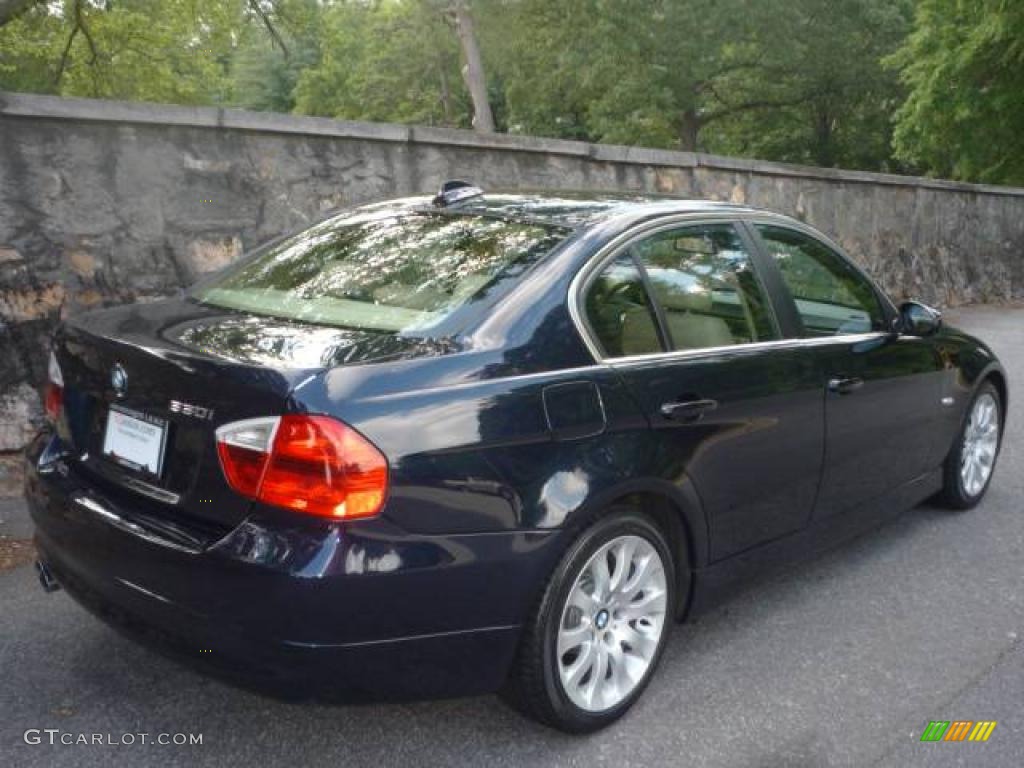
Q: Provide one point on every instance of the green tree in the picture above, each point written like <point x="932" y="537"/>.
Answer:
<point x="538" y="52"/>
<point x="28" y="51"/>
<point x="963" y="66"/>
<point x="828" y="97"/>
<point x="623" y="71"/>
<point x="265" y="68"/>
<point x="148" y="50"/>
<point x="793" y="79"/>
<point x="390" y="60"/>
<point x="663" y="64"/>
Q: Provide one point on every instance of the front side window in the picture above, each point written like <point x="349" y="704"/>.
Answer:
<point x="382" y="270"/>
<point x="831" y="296"/>
<point x="704" y="284"/>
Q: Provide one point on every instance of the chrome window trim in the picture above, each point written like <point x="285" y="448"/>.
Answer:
<point x="751" y="347"/>
<point x="616" y="245"/>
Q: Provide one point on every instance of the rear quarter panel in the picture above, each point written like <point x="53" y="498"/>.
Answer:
<point x="482" y="456"/>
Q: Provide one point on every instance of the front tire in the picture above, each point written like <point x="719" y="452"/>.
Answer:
<point x="968" y="469"/>
<point x="598" y="633"/>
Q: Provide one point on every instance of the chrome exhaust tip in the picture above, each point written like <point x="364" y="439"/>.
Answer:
<point x="47" y="580"/>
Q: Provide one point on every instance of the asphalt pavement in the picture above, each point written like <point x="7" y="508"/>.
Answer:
<point x="841" y="661"/>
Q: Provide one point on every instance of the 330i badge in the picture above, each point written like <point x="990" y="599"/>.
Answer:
<point x="492" y="441"/>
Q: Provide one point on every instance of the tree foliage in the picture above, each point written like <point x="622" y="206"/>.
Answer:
<point x="151" y="50"/>
<point x="393" y="61"/>
<point x="833" y="98"/>
<point x="963" y="66"/>
<point x="800" y="80"/>
<point x="826" y="82"/>
<point x="265" y="68"/>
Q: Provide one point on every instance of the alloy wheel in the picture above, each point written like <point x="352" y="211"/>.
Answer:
<point x="612" y="623"/>
<point x="980" y="443"/>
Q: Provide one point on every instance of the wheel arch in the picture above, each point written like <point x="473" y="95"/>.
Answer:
<point x="997" y="376"/>
<point x="675" y="508"/>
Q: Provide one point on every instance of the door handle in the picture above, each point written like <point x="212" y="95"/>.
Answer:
<point x="844" y="386"/>
<point x="688" y="410"/>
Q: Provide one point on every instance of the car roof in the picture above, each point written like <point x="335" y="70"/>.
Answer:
<point x="572" y="209"/>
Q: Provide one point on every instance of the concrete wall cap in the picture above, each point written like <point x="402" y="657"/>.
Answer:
<point x="26" y="105"/>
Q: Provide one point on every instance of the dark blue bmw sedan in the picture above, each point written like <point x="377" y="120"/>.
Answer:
<point x="480" y="442"/>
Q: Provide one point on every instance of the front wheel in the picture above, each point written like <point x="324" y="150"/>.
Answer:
<point x="601" y="626"/>
<point x="968" y="468"/>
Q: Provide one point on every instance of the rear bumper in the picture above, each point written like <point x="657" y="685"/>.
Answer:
<point x="295" y="607"/>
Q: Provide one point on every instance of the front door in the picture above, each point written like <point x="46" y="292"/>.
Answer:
<point x="682" y="316"/>
<point x="882" y="390"/>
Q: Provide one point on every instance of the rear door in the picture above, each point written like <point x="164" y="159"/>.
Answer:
<point x="882" y="390"/>
<point x="681" y="313"/>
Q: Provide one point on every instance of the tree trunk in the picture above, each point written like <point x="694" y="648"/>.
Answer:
<point x="446" y="92"/>
<point x="689" y="130"/>
<point x="473" y="69"/>
<point x="824" y="147"/>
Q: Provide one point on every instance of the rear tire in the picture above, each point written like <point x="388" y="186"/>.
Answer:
<point x="595" y="639"/>
<point x="967" y="471"/>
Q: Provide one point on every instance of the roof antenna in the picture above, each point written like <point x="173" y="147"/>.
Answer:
<point x="455" y="191"/>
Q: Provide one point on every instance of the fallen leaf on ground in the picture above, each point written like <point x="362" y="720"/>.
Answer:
<point x="15" y="552"/>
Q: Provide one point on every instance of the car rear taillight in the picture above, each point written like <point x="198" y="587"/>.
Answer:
<point x="311" y="464"/>
<point x="54" y="397"/>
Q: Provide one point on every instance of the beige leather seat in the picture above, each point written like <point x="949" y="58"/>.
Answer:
<point x="639" y="334"/>
<point x="690" y="330"/>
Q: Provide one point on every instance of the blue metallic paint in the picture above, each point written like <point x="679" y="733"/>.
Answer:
<point x="490" y="478"/>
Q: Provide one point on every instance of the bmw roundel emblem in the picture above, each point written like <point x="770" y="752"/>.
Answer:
<point x="119" y="379"/>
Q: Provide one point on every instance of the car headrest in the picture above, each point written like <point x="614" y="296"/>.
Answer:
<point x="676" y="298"/>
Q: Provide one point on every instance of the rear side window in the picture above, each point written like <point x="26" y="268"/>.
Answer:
<point x="704" y="283"/>
<point x="619" y="311"/>
<point x="831" y="296"/>
<point x="382" y="270"/>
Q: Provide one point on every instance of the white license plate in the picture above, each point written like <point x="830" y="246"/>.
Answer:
<point x="135" y="439"/>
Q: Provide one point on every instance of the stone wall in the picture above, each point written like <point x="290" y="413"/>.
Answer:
<point x="107" y="202"/>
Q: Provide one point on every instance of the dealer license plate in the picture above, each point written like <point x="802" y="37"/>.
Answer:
<point x="135" y="440"/>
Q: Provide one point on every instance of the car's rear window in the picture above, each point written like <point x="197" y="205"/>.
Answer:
<point x="382" y="270"/>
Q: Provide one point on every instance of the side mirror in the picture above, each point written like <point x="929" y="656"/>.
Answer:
<point x="917" y="319"/>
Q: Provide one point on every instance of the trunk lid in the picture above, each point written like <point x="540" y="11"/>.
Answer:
<point x="183" y="369"/>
